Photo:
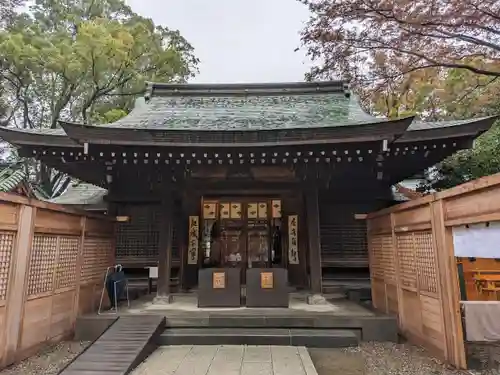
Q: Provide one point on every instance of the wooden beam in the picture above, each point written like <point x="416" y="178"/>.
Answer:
<point x="313" y="234"/>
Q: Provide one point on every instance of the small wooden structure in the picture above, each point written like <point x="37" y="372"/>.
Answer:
<point x="246" y="175"/>
<point x="52" y="265"/>
<point x="413" y="265"/>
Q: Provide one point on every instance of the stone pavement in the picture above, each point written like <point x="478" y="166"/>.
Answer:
<point x="228" y="360"/>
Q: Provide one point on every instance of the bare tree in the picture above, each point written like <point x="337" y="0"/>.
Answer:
<point x="345" y="36"/>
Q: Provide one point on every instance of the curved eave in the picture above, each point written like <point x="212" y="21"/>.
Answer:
<point x="364" y="132"/>
<point x="471" y="129"/>
<point x="94" y="175"/>
<point x="33" y="138"/>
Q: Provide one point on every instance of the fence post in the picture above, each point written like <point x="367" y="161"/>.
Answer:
<point x="448" y="275"/>
<point x="79" y="262"/>
<point x="16" y="294"/>
<point x="399" y="291"/>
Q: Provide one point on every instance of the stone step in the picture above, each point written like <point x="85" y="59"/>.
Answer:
<point x="333" y="289"/>
<point x="334" y="296"/>
<point x="313" y="338"/>
<point x="263" y="321"/>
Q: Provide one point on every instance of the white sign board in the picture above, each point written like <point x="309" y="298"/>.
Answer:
<point x="477" y="240"/>
<point x="153" y="272"/>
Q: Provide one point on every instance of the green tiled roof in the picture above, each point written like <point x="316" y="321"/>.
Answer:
<point x="427" y="125"/>
<point x="82" y="194"/>
<point x="252" y="112"/>
<point x="243" y="109"/>
<point x="11" y="175"/>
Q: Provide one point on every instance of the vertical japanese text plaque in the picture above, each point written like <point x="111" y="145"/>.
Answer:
<point x="293" y="239"/>
<point x="194" y="230"/>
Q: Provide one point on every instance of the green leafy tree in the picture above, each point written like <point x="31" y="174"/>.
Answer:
<point x="464" y="94"/>
<point x="84" y="60"/>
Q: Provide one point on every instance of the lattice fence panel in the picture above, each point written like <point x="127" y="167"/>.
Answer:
<point x="42" y="264"/>
<point x="383" y="266"/>
<point x="425" y="262"/>
<point x="388" y="260"/>
<point x="7" y="240"/>
<point x="376" y="265"/>
<point x="406" y="257"/>
<point x="97" y="256"/>
<point x="66" y="267"/>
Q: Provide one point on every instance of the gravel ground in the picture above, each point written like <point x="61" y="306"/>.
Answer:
<point x="367" y="359"/>
<point x="379" y="359"/>
<point x="49" y="361"/>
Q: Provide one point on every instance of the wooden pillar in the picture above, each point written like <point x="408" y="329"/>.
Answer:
<point x="18" y="283"/>
<point x="165" y="251"/>
<point x="314" y="240"/>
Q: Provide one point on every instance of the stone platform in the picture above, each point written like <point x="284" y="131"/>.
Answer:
<point x="228" y="360"/>
<point x="338" y="323"/>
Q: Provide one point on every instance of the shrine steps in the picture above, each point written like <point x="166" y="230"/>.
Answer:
<point x="279" y="326"/>
<point x="123" y="341"/>
<point x="314" y="338"/>
<point x="284" y="324"/>
<point x="120" y="348"/>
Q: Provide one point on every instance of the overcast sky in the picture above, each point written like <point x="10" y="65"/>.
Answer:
<point x="237" y="40"/>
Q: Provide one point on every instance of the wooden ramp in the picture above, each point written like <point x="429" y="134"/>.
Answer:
<point x="124" y="345"/>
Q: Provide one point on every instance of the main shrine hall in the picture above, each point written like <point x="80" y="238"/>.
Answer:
<point x="246" y="176"/>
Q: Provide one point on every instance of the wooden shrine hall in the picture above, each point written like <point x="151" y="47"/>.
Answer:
<point x="246" y="176"/>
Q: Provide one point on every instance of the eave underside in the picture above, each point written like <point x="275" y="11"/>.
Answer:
<point x="334" y="164"/>
<point x="383" y="152"/>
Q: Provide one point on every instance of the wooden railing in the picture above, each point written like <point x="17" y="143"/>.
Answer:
<point x="413" y="266"/>
<point x="52" y="264"/>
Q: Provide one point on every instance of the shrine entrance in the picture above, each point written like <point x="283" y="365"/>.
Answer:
<point x="241" y="233"/>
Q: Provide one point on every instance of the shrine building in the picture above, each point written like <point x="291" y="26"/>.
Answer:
<point x="246" y="176"/>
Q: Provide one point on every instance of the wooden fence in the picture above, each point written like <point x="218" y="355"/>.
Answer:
<point x="52" y="263"/>
<point x="413" y="267"/>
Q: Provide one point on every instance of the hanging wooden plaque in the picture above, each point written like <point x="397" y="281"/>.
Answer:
<point x="293" y="239"/>
<point x="224" y="210"/>
<point x="193" y="238"/>
<point x="266" y="280"/>
<point x="235" y="210"/>
<point x="219" y="280"/>
<point x="276" y="208"/>
<point x="252" y="210"/>
<point x="209" y="210"/>
<point x="262" y="210"/>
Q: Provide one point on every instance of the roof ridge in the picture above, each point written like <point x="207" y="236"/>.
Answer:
<point x="234" y="89"/>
